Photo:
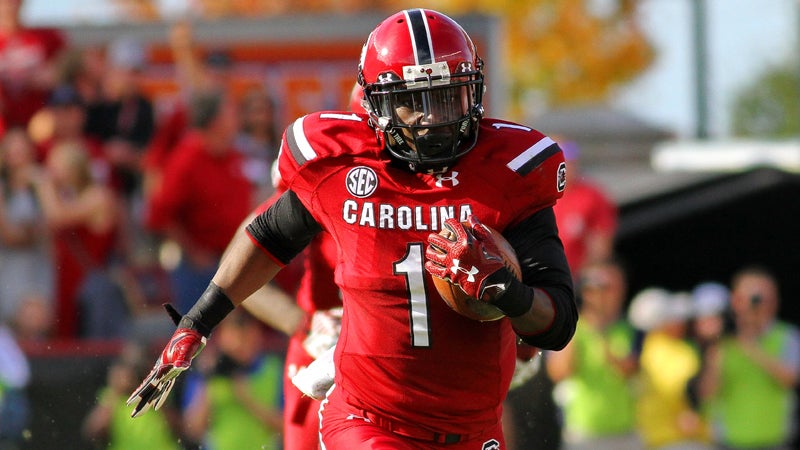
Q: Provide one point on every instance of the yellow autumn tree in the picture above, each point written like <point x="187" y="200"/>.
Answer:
<point x="565" y="51"/>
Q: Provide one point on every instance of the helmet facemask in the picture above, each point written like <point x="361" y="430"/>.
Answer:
<point x="429" y="118"/>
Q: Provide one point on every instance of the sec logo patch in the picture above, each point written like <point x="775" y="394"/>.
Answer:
<point x="361" y="181"/>
<point x="561" y="177"/>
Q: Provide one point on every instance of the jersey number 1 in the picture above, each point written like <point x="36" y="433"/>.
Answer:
<point x="412" y="267"/>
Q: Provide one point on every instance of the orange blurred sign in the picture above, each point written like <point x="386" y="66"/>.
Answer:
<point x="302" y="78"/>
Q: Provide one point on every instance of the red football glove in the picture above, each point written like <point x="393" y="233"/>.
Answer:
<point x="175" y="358"/>
<point x="467" y="259"/>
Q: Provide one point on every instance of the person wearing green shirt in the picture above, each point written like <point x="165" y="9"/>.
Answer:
<point x="109" y="426"/>
<point x="594" y="372"/>
<point x="751" y="375"/>
<point x="237" y="404"/>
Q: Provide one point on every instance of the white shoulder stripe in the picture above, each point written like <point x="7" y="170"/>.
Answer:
<point x="352" y="117"/>
<point x="300" y="139"/>
<point x="530" y="153"/>
<point x="511" y="125"/>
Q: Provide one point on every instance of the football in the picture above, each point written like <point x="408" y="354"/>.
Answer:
<point x="470" y="307"/>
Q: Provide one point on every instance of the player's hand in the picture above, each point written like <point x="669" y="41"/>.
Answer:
<point x="323" y="332"/>
<point x="467" y="258"/>
<point x="316" y="379"/>
<point x="176" y="357"/>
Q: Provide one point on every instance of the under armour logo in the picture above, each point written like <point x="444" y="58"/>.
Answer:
<point x="491" y="444"/>
<point x="470" y="273"/>
<point x="387" y="77"/>
<point x="453" y="178"/>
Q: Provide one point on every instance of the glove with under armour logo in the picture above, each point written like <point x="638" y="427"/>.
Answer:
<point x="467" y="257"/>
<point x="185" y="344"/>
<point x="176" y="357"/>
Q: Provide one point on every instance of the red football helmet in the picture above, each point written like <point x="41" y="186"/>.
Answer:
<point x="423" y="86"/>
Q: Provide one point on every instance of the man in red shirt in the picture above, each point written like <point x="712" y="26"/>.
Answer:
<point x="203" y="196"/>
<point x="410" y="372"/>
<point x="27" y="65"/>
<point x="586" y="216"/>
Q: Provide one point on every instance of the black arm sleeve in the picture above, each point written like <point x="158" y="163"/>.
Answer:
<point x="285" y="228"/>
<point x="544" y="266"/>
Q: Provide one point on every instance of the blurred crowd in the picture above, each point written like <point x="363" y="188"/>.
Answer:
<point x="110" y="208"/>
<point x="709" y="368"/>
<point x="105" y="199"/>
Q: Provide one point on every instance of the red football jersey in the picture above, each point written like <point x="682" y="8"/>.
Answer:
<point x="403" y="353"/>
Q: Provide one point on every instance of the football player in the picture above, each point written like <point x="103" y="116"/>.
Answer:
<point x="410" y="372"/>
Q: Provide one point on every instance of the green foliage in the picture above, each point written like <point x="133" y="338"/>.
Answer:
<point x="770" y="106"/>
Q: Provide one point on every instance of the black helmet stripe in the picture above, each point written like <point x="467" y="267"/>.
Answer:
<point x="420" y="36"/>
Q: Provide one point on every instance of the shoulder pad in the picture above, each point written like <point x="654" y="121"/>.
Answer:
<point x="522" y="148"/>
<point x="324" y="134"/>
<point x="535" y="159"/>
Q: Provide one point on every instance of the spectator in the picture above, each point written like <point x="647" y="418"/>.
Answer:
<point x="147" y="287"/>
<point x="668" y="362"/>
<point x="68" y="119"/>
<point x="586" y="217"/>
<point x="711" y="307"/>
<point x="258" y="140"/>
<point x="83" y="216"/>
<point x="751" y="375"/>
<point x="14" y="405"/>
<point x="84" y="68"/>
<point x="26" y="268"/>
<point x="28" y="59"/>
<point x="595" y="371"/>
<point x="711" y="321"/>
<point x="108" y="425"/>
<point x="203" y="196"/>
<point x="128" y="115"/>
<point x="238" y="403"/>
<point x="194" y="75"/>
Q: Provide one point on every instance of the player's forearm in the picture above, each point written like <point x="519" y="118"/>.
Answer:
<point x="244" y="269"/>
<point x="275" y="308"/>
<point x="539" y="317"/>
<point x="550" y="322"/>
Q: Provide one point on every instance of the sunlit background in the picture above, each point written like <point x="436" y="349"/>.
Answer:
<point x="746" y="40"/>
<point x="686" y="112"/>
